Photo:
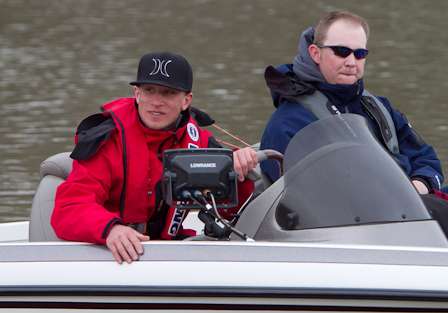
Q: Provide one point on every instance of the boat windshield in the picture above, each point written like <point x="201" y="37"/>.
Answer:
<point x="338" y="174"/>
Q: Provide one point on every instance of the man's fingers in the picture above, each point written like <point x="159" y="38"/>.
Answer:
<point x="123" y="252"/>
<point x="131" y="248"/>
<point x="125" y="243"/>
<point x="136" y="245"/>
<point x="142" y="237"/>
<point x="244" y="160"/>
<point x="115" y="253"/>
<point x="421" y="187"/>
<point x="237" y="166"/>
<point x="253" y="154"/>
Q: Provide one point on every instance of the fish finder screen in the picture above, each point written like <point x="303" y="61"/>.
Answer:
<point x="186" y="171"/>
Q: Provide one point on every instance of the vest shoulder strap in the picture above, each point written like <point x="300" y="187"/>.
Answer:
<point x="321" y="107"/>
<point x="384" y="120"/>
<point x="318" y="104"/>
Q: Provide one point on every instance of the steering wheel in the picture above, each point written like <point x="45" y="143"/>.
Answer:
<point x="263" y="155"/>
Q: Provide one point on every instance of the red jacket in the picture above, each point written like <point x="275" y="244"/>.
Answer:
<point x="116" y="182"/>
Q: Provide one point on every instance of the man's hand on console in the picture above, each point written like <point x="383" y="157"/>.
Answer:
<point x="420" y="186"/>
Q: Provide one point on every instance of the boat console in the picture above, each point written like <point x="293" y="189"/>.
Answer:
<point x="202" y="179"/>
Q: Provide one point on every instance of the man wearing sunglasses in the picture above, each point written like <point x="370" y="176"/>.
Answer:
<point x="326" y="78"/>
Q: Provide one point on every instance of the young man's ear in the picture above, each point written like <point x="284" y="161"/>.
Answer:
<point x="187" y="101"/>
<point x="136" y="92"/>
<point x="314" y="52"/>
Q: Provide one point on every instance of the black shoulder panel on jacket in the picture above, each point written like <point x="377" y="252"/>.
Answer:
<point x="287" y="86"/>
<point x="91" y="132"/>
<point x="202" y="118"/>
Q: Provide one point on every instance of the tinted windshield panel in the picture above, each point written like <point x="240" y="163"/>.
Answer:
<point x="338" y="174"/>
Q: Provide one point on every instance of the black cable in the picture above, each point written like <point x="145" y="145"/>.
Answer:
<point x="218" y="216"/>
<point x="197" y="197"/>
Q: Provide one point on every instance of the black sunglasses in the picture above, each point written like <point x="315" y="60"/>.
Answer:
<point x="344" y="52"/>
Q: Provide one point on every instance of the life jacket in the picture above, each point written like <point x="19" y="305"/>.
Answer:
<point x="321" y="107"/>
<point x="315" y="101"/>
<point x="141" y="153"/>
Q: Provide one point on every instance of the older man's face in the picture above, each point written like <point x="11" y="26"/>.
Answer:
<point x="337" y="69"/>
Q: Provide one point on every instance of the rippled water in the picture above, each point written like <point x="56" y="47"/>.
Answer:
<point x="59" y="60"/>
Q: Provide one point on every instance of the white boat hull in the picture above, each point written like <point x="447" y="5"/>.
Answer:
<point x="224" y="276"/>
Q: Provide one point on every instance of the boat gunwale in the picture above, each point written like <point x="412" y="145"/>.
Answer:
<point x="225" y="251"/>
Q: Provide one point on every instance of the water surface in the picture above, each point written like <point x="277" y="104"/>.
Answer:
<point x="60" y="60"/>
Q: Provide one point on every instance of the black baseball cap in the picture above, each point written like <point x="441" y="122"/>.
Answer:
<point x="166" y="69"/>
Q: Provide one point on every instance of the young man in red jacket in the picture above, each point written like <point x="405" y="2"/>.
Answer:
<point x="113" y="189"/>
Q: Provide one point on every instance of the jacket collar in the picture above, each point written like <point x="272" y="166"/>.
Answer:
<point x="343" y="95"/>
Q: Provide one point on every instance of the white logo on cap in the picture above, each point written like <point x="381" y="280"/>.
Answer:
<point x="192" y="132"/>
<point x="160" y="67"/>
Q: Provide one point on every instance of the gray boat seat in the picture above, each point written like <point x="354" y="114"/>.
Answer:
<point x="53" y="171"/>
